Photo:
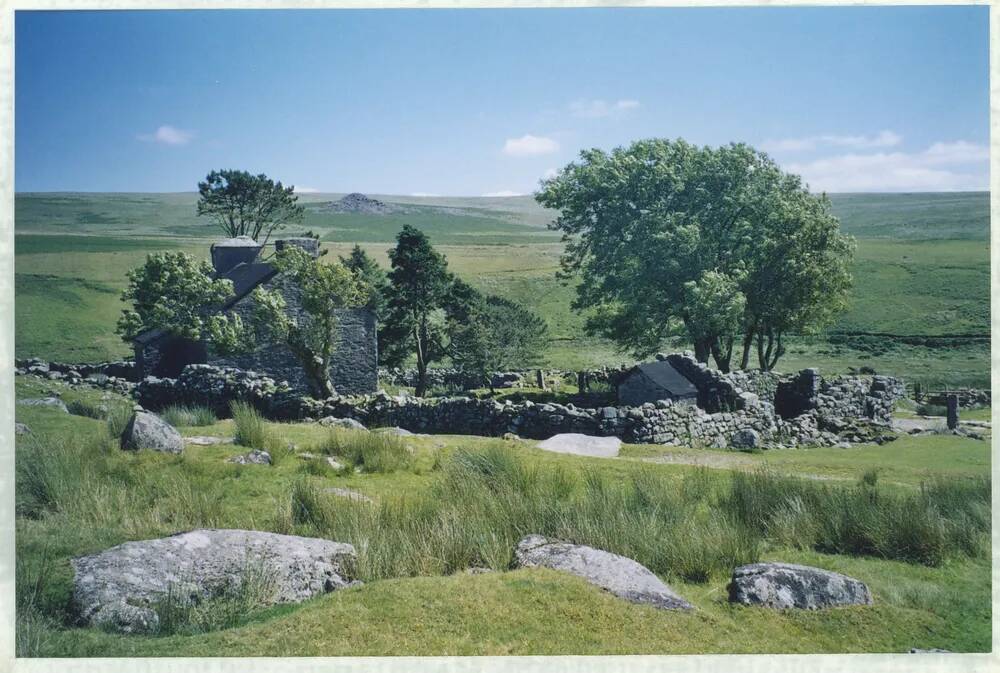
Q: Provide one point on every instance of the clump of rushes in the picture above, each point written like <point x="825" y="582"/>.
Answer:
<point x="369" y="451"/>
<point x="251" y="430"/>
<point x="183" y="415"/>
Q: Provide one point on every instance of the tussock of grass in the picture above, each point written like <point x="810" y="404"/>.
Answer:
<point x="87" y="409"/>
<point x="181" y="415"/>
<point x="251" y="430"/>
<point x="945" y="519"/>
<point x="370" y="451"/>
<point x="118" y="418"/>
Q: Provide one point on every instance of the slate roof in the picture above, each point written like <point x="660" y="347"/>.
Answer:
<point x="663" y="374"/>
<point x="245" y="278"/>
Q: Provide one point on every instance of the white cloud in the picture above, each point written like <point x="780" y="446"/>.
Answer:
<point x="550" y="173"/>
<point x="944" y="166"/>
<point x="306" y="190"/>
<point x="504" y="192"/>
<point x="167" y="135"/>
<point x="529" y="145"/>
<point x="881" y="139"/>
<point x="592" y="109"/>
<point x="423" y="194"/>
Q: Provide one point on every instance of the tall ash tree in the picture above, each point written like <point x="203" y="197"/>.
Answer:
<point x="243" y="204"/>
<point x="718" y="245"/>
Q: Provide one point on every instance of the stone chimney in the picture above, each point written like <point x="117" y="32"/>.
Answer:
<point x="232" y="252"/>
<point x="310" y="245"/>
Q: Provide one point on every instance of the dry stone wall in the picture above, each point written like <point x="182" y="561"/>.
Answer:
<point x="845" y="409"/>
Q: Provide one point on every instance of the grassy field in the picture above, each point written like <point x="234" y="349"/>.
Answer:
<point x="677" y="510"/>
<point x="921" y="273"/>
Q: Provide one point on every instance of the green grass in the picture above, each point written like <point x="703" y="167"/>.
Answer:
<point x="180" y="415"/>
<point x="464" y="500"/>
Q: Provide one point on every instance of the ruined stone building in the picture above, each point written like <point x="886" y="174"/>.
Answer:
<point x="353" y="369"/>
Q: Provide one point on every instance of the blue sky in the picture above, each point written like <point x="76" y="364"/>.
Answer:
<point x="472" y="102"/>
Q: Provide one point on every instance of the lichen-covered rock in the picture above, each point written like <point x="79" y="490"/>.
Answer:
<point x="785" y="585"/>
<point x="149" y="431"/>
<point x="201" y="440"/>
<point x="119" y="588"/>
<point x="22" y="429"/>
<point x="621" y="576"/>
<point x="51" y="402"/>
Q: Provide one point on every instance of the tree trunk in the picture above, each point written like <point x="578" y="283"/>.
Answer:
<point x="778" y="352"/>
<point x="747" y="343"/>
<point x="421" y="336"/>
<point x="702" y="349"/>
<point x="723" y="355"/>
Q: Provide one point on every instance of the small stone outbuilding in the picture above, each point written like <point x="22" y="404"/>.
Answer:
<point x="354" y="366"/>
<point x="653" y="381"/>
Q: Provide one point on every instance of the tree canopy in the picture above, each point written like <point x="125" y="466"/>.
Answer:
<point x="242" y="204"/>
<point x="175" y="292"/>
<point x="670" y="239"/>
<point x="498" y="335"/>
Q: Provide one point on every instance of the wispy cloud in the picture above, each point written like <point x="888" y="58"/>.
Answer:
<point x="529" y="145"/>
<point x="306" y="190"/>
<point x="944" y="166"/>
<point x="167" y="135"/>
<point x="808" y="143"/>
<point x="504" y="192"/>
<point x="596" y="108"/>
<point x="550" y="173"/>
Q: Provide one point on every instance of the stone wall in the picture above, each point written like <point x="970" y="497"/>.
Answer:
<point x="848" y="408"/>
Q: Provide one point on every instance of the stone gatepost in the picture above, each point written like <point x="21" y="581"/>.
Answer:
<point x="581" y="382"/>
<point x="952" y="401"/>
<point x="540" y="379"/>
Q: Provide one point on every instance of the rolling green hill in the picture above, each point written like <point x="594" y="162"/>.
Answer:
<point x="922" y="272"/>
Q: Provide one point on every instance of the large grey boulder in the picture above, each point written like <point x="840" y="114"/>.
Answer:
<point x="582" y="445"/>
<point x="149" y="431"/>
<point x="785" y="585"/>
<point x="119" y="588"/>
<point x="53" y="402"/>
<point x="621" y="576"/>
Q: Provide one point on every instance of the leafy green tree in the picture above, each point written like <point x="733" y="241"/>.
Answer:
<point x="242" y="204"/>
<point x="310" y="334"/>
<point x="499" y="335"/>
<point x="423" y="295"/>
<point x="175" y="292"/>
<point x="671" y="239"/>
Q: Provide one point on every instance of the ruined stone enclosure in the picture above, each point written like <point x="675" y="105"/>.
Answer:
<point x="354" y="366"/>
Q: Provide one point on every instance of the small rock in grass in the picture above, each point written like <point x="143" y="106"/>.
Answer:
<point x="52" y="402"/>
<point x="348" y="423"/>
<point x="149" y="431"/>
<point x="582" y="445"/>
<point x="786" y="585"/>
<point x="22" y="429"/>
<point x="619" y="575"/>
<point x="199" y="440"/>
<point x="254" y="457"/>
<point x="347" y="493"/>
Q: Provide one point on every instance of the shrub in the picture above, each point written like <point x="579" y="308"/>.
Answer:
<point x="370" y="451"/>
<point x="182" y="415"/>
